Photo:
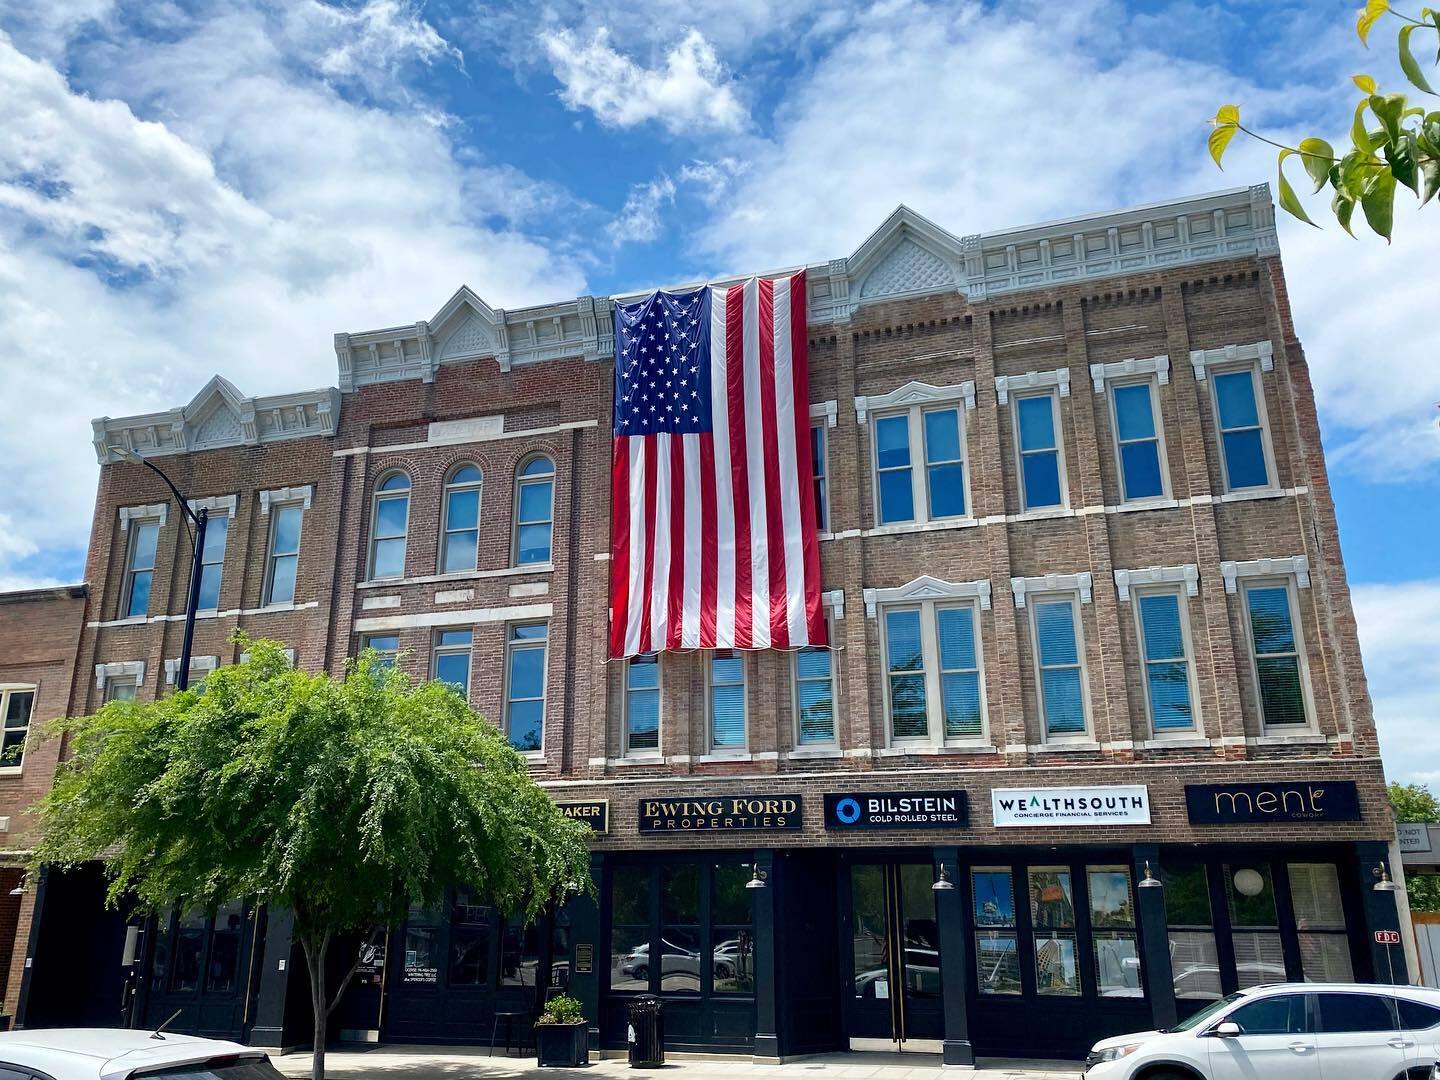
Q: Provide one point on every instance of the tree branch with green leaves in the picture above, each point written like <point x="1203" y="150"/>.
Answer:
<point x="1404" y="149"/>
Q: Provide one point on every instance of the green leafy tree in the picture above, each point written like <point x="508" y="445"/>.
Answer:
<point x="344" y="800"/>
<point x="1404" y="149"/>
<point x="1416" y="802"/>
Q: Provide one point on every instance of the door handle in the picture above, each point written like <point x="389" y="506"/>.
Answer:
<point x="1401" y="1044"/>
<point x="1301" y="1048"/>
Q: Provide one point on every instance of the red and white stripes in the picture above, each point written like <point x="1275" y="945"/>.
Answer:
<point x="713" y="537"/>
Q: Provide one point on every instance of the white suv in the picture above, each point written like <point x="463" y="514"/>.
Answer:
<point x="1293" y="1031"/>
<point x="122" y="1054"/>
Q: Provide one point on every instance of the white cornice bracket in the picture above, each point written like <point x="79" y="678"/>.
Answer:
<point x="1051" y="583"/>
<point x="276" y="496"/>
<point x="1189" y="574"/>
<point x="1119" y="369"/>
<point x="825" y="410"/>
<point x="1203" y="359"/>
<point x="1297" y="566"/>
<point x="1032" y="380"/>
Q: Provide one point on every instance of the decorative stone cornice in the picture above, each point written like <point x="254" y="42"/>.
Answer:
<point x="1124" y="369"/>
<point x="915" y="393"/>
<point x="1201" y="359"/>
<point x="202" y="664"/>
<point x="1189" y="574"/>
<point x="1049" y="583"/>
<point x="835" y="601"/>
<point x="302" y="494"/>
<point x="1297" y="566"/>
<point x="1031" y="380"/>
<point x="825" y="410"/>
<point x="143" y="513"/>
<point x="219" y="415"/>
<point x="928" y="588"/>
<point x="116" y="669"/>
<point x="215" y="504"/>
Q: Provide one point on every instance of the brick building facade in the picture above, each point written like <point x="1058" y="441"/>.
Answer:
<point x="1077" y="534"/>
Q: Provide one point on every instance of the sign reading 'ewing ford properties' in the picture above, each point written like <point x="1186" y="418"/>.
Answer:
<point x="1033" y="807"/>
<point x="720" y="814"/>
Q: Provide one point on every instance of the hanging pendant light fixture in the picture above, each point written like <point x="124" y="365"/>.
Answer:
<point x="1150" y="881"/>
<point x="757" y="879"/>
<point x="943" y="882"/>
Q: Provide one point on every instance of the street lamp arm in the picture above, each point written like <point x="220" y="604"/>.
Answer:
<point x="184" y="505"/>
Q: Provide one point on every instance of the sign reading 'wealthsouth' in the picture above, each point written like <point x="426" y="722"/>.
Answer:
<point x="720" y="814"/>
<point x="1033" y="807"/>
<point x="1249" y="804"/>
<point x="897" y="810"/>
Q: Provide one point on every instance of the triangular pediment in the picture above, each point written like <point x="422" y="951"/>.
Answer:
<point x="908" y="253"/>
<point x="466" y="326"/>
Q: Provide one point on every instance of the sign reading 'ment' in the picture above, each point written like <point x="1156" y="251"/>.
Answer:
<point x="720" y="814"/>
<point x="1287" y="800"/>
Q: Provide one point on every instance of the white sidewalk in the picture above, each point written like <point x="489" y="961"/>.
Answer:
<point x="457" y="1062"/>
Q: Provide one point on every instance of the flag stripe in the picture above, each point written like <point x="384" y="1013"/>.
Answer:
<point x="619" y="543"/>
<point x="792" y="599"/>
<point x="778" y="627"/>
<point x="647" y="582"/>
<point x="674" y="616"/>
<point x="690" y="599"/>
<point x="709" y="542"/>
<point x="735" y="312"/>
<point x="817" y="633"/>
<point x="755" y="460"/>
<point x="725" y="560"/>
<point x="639" y="545"/>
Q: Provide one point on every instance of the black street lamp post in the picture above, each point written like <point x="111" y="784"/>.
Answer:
<point x="192" y="602"/>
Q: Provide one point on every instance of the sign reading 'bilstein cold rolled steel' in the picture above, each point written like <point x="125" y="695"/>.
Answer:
<point x="720" y="814"/>
<point x="1108" y="805"/>
<point x="897" y="810"/>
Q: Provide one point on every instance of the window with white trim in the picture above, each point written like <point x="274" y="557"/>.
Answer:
<point x="935" y="673"/>
<point x="525" y="650"/>
<point x="1166" y="658"/>
<point x="1139" y="442"/>
<point x="389" y="522"/>
<point x="642" y="704"/>
<point x="460" y="527"/>
<point x="1276" y="652"/>
<point x="818" y="468"/>
<point x="450" y="659"/>
<point x="212" y="561"/>
<point x="1242" y="428"/>
<point x="815" y="696"/>
<point x="1059" y="647"/>
<point x="725" y="688"/>
<point x="17" y="705"/>
<point x="1037" y="447"/>
<point x="139" y="568"/>
<point x="933" y="437"/>
<point x="534" y="510"/>
<point x="283" y="559"/>
<point x="386" y="646"/>
<point x="120" y="688"/>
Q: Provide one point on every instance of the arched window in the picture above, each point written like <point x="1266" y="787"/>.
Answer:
<point x="387" y="526"/>
<point x="460" y="526"/>
<point x="534" y="510"/>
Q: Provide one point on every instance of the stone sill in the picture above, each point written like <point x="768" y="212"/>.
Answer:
<point x="467" y="575"/>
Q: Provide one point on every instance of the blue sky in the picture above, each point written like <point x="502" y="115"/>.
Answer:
<point x="220" y="185"/>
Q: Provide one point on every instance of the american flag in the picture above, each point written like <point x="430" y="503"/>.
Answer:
<point x="712" y="536"/>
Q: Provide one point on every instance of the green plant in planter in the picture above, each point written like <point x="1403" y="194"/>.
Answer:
<point x="563" y="1010"/>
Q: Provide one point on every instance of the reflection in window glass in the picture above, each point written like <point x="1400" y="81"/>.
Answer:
<point x="525" y="686"/>
<point x="1117" y="964"/>
<point x="727" y="700"/>
<point x="1320" y="919"/>
<point x="815" y="696"/>
<point x="680" y="928"/>
<point x="224" y="965"/>
<point x="642" y="703"/>
<point x="534" y="503"/>
<point x="920" y="930"/>
<point x="959" y="671"/>
<point x="733" y="949"/>
<point x="187" y="950"/>
<point x="451" y="659"/>
<point x="1056" y="970"/>
<point x="1259" y="958"/>
<point x="470" y="923"/>
<point x="822" y="486"/>
<point x="422" y="955"/>
<point x="997" y="958"/>
<point x="1039" y="451"/>
<point x="1282" y="1015"/>
<point x="285" y="524"/>
<point x="1250" y="894"/>
<point x="630" y="928"/>
<point x="1195" y="965"/>
<point x="944" y="470"/>
<point x="212" y="561"/>
<point x="1139" y="444"/>
<point x="892" y="463"/>
<point x="1057" y="643"/>
<point x="460" y="543"/>
<point x="905" y="659"/>
<point x="1277" y="655"/>
<point x="1111" y="904"/>
<point x="1051" y="898"/>
<point x="1052" y="914"/>
<point x="140" y="568"/>
<point x="1167" y="669"/>
<point x="1241" y="438"/>
<point x="868" y="927"/>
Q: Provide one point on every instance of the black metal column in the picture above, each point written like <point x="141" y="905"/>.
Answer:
<point x="268" y="1028"/>
<point x="1387" y="962"/>
<point x="955" y="958"/>
<point x="767" y="1039"/>
<point x="587" y="948"/>
<point x="1154" y="939"/>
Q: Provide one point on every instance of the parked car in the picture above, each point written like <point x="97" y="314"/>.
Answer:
<point x="1290" y="1031"/>
<point x="674" y="960"/>
<point x="123" y="1054"/>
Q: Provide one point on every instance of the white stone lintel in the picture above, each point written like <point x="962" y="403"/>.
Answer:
<point x="1158" y="366"/>
<point x="928" y="588"/>
<point x="1188" y="574"/>
<point x="1203" y="359"/>
<point x="828" y="411"/>
<point x="204" y="664"/>
<point x="1005" y="385"/>
<point x="835" y="601"/>
<point x="143" y="513"/>
<point x="915" y="393"/>
<point x="302" y="494"/>
<point x="1050" y="583"/>
<point x="215" y="505"/>
<point x="119" y="669"/>
<point x="1297" y="566"/>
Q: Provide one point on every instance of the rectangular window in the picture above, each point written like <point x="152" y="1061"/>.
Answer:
<point x="1052" y="915"/>
<point x="1275" y="648"/>
<point x="1041" y="478"/>
<point x="139" y="569"/>
<point x="937" y="438"/>
<point x="642" y="704"/>
<point x="387" y="646"/>
<point x="630" y="928"/>
<point x="1250" y="894"/>
<point x="727" y="700"/>
<point x="1056" y="623"/>
<point x="997" y="958"/>
<point x="1163" y="642"/>
<point x="1194" y="960"/>
<point x="1240" y="417"/>
<point x="212" y="561"/>
<point x="120" y="688"/>
<point x="680" y="928"/>
<point x="1320" y="919"/>
<point x="285" y="522"/>
<point x="814" y="697"/>
<point x="16" y="705"/>
<point x="525" y="686"/>
<point x="1113" y="940"/>
<point x="450" y="659"/>
<point x="226" y="931"/>
<point x="1137" y="442"/>
<point x="894" y="483"/>
<point x="732" y="936"/>
<point x="935" y="673"/>
<point x="470" y="928"/>
<point x="822" y="478"/>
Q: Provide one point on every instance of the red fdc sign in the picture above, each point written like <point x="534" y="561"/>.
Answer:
<point x="1387" y="937"/>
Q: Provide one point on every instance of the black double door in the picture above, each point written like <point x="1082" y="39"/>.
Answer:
<point x="890" y="935"/>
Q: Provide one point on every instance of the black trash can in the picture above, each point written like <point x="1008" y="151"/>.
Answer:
<point x="646" y="1034"/>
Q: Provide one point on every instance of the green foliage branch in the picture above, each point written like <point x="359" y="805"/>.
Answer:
<point x="344" y="800"/>
<point x="1404" y="149"/>
<point x="1415" y="803"/>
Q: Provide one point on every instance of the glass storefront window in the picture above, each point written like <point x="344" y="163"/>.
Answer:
<point x="680" y="960"/>
<point x="1250" y="895"/>
<point x="922" y="934"/>
<point x="732" y="935"/>
<point x="422" y="956"/>
<point x="223" y="966"/>
<point x="1320" y="920"/>
<point x="1052" y="914"/>
<point x="869" y="933"/>
<point x="520" y="952"/>
<point x="630" y="928"/>
<point x="1194" y="960"/>
<point x="1113" y="941"/>
<point x="470" y="923"/>
<point x="997" y="958"/>
<point x="1111" y="904"/>
<point x="188" y="948"/>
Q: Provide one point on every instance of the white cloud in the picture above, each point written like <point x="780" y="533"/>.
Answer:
<point x="255" y="212"/>
<point x="687" y="92"/>
<point x="44" y="27"/>
<point x="1400" y="640"/>
<point x="369" y="43"/>
<point x="639" y="219"/>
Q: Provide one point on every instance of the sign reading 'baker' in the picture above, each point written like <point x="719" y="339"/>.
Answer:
<point x="732" y="812"/>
